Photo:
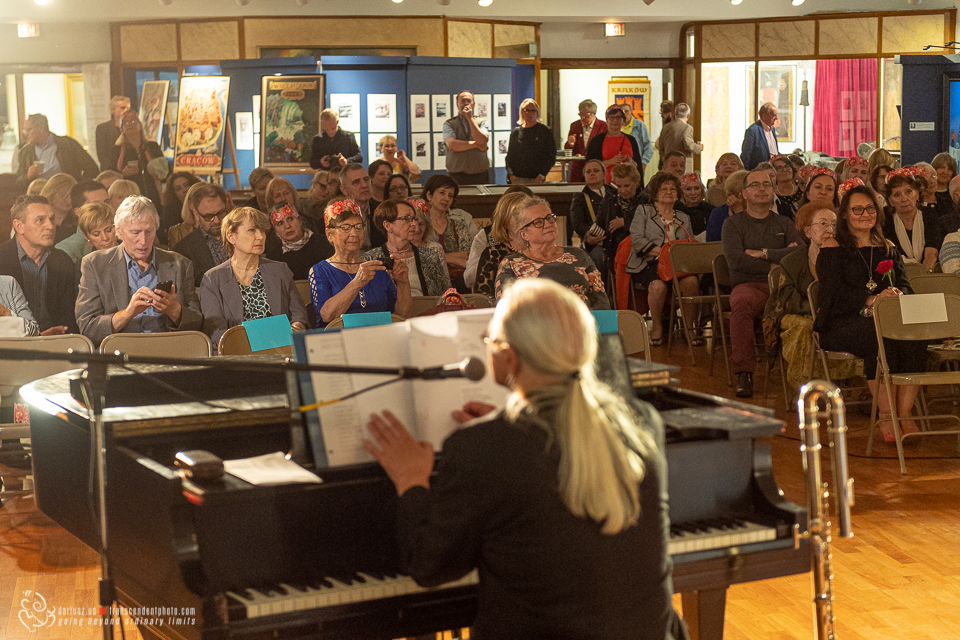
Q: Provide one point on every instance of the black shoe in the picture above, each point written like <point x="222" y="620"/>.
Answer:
<point x="745" y="385"/>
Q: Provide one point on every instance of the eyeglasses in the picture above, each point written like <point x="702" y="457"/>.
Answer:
<point x="615" y="114"/>
<point x="210" y="216"/>
<point x="759" y="185"/>
<point x="405" y="218"/>
<point x="869" y="210"/>
<point x="347" y="228"/>
<point x="530" y="110"/>
<point x="398" y="189"/>
<point x="825" y="225"/>
<point x="540" y="222"/>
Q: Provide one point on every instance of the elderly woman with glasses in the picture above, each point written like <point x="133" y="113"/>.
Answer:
<point x="300" y="247"/>
<point x="345" y="282"/>
<point x="915" y="232"/>
<point x="532" y="151"/>
<point x="426" y="267"/>
<point x="534" y="227"/>
<point x="613" y="147"/>
<point x="248" y="286"/>
<point x="139" y="159"/>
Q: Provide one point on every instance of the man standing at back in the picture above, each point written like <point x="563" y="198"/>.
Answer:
<point x="45" y="274"/>
<point x="109" y="131"/>
<point x="677" y="135"/>
<point x="753" y="242"/>
<point x="45" y="154"/>
<point x="466" y="142"/>
<point x="636" y="128"/>
<point x="581" y="133"/>
<point x="760" y="139"/>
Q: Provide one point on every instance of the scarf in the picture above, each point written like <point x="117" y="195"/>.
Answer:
<point x="912" y="247"/>
<point x="296" y="245"/>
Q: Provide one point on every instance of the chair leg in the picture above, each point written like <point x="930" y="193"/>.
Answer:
<point x="783" y="379"/>
<point x="874" y="423"/>
<point x="895" y="418"/>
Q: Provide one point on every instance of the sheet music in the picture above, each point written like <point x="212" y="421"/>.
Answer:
<point x="338" y="422"/>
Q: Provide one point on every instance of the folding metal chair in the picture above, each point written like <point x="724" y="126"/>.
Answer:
<point x="183" y="344"/>
<point x="633" y="331"/>
<point x="696" y="259"/>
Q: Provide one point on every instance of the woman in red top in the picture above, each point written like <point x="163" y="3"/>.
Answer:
<point x="614" y="147"/>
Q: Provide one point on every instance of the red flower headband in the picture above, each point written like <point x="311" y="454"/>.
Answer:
<point x="339" y="208"/>
<point x="280" y="213"/>
<point x="857" y="160"/>
<point x="805" y="171"/>
<point x="779" y="156"/>
<point x="906" y="172"/>
<point x="847" y="185"/>
<point x="822" y="171"/>
<point x="691" y="178"/>
<point x="420" y="205"/>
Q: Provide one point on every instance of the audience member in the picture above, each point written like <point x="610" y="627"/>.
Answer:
<point x="822" y="185"/>
<point x="178" y="232"/>
<point x="617" y="209"/>
<point x="96" y="224"/>
<point x="124" y="289"/>
<point x="109" y="131"/>
<point x="14" y="303"/>
<point x="636" y="128"/>
<point x="753" y="241"/>
<point x="419" y="227"/>
<point x="356" y="186"/>
<point x="613" y="147"/>
<point x="760" y="139"/>
<point x="36" y="187"/>
<point x="534" y="227"/>
<point x="931" y="200"/>
<point x="312" y="206"/>
<point x="453" y="228"/>
<point x="692" y="203"/>
<point x="850" y="286"/>
<point x="259" y="181"/>
<point x="77" y="246"/>
<point x="399" y="162"/>
<point x="203" y="246"/>
<point x="878" y="182"/>
<point x="281" y="191"/>
<point x="45" y="273"/>
<point x="582" y="132"/>
<point x="950" y="253"/>
<point x="946" y="169"/>
<point x="915" y="233"/>
<point x="345" y="283"/>
<point x="174" y="194"/>
<point x="300" y="247"/>
<point x="333" y="146"/>
<point x="951" y="222"/>
<point x="334" y="184"/>
<point x="44" y="155"/>
<point x="120" y="190"/>
<point x="109" y="176"/>
<point x="726" y="165"/>
<point x="532" y="151"/>
<point x="854" y="167"/>
<point x="57" y="191"/>
<point x="881" y="157"/>
<point x="466" y="141"/>
<point x="585" y="209"/>
<point x="379" y="172"/>
<point x="498" y="245"/>
<point x="139" y="159"/>
<point x="397" y="187"/>
<point x="676" y="163"/>
<point x="677" y="136"/>
<point x="247" y="286"/>
<point x="788" y="195"/>
<point x="426" y="268"/>
<point x="733" y="189"/>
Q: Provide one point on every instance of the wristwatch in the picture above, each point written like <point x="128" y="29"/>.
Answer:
<point x="764" y="254"/>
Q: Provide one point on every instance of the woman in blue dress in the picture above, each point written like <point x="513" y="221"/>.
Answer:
<point x="344" y="282"/>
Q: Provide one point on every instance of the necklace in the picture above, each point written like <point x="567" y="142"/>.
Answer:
<point x="393" y="251"/>
<point x="871" y="285"/>
<point x="363" y="299"/>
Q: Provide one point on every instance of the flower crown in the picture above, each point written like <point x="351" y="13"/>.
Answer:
<point x="907" y="172"/>
<point x="340" y="207"/>
<point x="279" y="212"/>
<point x="822" y="171"/>
<point x="805" y="171"/>
<point x="847" y="185"/>
<point x="779" y="156"/>
<point x="691" y="178"/>
<point x="420" y="205"/>
<point x="857" y="160"/>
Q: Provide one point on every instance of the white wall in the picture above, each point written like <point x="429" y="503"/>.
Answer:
<point x="576" y="85"/>
<point x="58" y="43"/>
<point x="46" y="93"/>
<point x="586" y="40"/>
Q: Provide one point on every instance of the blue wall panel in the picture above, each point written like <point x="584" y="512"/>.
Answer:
<point x="924" y="98"/>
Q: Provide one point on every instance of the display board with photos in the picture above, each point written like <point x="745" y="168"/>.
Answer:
<point x="201" y="124"/>
<point x="428" y="113"/>
<point x="289" y="119"/>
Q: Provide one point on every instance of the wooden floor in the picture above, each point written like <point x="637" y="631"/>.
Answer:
<point x="898" y="577"/>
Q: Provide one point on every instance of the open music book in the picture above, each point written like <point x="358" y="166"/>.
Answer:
<point x="336" y="432"/>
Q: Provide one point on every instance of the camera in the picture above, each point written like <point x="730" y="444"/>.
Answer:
<point x="388" y="263"/>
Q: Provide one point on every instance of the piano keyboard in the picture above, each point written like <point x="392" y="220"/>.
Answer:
<point x="331" y="592"/>
<point x="717" y="533"/>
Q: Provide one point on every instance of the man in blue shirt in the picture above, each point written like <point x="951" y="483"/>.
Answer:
<point x="44" y="154"/>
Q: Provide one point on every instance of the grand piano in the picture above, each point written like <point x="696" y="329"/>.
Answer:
<point x="227" y="559"/>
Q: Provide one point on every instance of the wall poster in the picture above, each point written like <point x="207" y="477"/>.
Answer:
<point x="347" y="106"/>
<point x="503" y="115"/>
<point x="482" y="110"/>
<point x="381" y="112"/>
<point x="439" y="153"/>
<point x="420" y="150"/>
<point x="441" y="111"/>
<point x="632" y="91"/>
<point x="419" y="113"/>
<point x="501" y="142"/>
<point x="289" y="119"/>
<point x="201" y="120"/>
<point x="153" y="107"/>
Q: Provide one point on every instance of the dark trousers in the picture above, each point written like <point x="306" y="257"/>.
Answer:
<point x="471" y="178"/>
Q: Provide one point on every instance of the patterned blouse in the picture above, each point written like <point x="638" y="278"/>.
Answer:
<point x="573" y="269"/>
<point x="255" y="303"/>
<point x="458" y="236"/>
<point x="489" y="265"/>
<point x="432" y="269"/>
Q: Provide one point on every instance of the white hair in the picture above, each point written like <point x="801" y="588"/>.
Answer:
<point x="135" y="208"/>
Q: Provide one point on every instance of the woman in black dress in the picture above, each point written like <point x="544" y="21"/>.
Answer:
<point x="559" y="500"/>
<point x="849" y="287"/>
<point x="532" y="151"/>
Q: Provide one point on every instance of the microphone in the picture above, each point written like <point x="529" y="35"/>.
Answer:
<point x="470" y="368"/>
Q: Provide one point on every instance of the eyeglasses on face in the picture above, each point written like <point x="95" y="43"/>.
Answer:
<point x="404" y="218"/>
<point x="347" y="228"/>
<point x="400" y="188"/>
<point x="529" y="110"/>
<point x="540" y="222"/>
<point x="868" y="210"/>
<point x="210" y="216"/>
<point x="825" y="225"/>
<point x="760" y="185"/>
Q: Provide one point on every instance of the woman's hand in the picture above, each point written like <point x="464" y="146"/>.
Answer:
<point x="655" y="252"/>
<point x="298" y="327"/>
<point x="4" y="311"/>
<point x="472" y="410"/>
<point x="407" y="461"/>
<point x="400" y="273"/>
<point x="616" y="223"/>
<point x="367" y="271"/>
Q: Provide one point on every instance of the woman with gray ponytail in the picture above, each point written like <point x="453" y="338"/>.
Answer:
<point x="559" y="500"/>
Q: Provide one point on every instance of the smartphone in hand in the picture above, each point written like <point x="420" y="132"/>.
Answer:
<point x="166" y="286"/>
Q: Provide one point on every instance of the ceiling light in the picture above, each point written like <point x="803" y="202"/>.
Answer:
<point x="797" y="3"/>
<point x="484" y="3"/>
<point x="735" y="2"/>
<point x="397" y="1"/>
<point x="41" y="2"/>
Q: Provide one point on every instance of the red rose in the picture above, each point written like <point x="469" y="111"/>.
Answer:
<point x="884" y="266"/>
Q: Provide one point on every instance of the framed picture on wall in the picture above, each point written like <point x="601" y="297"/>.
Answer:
<point x="439" y="153"/>
<point x="502" y="113"/>
<point x="501" y="140"/>
<point x="420" y="150"/>
<point x="440" y="111"/>
<point x="482" y="110"/>
<point x="777" y="85"/>
<point x="381" y="112"/>
<point x="632" y="91"/>
<point x="347" y="106"/>
<point x="202" y="121"/>
<point x="419" y="113"/>
<point x="289" y="119"/>
<point x="153" y="107"/>
<point x="373" y="145"/>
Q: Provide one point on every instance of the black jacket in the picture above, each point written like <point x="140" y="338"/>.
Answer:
<point x="580" y="218"/>
<point x="194" y="247"/>
<point x="532" y="151"/>
<point x="73" y="160"/>
<point x="107" y="134"/>
<point x="342" y="142"/>
<point x="61" y="284"/>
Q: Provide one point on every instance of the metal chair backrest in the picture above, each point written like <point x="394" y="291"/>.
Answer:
<point x="303" y="286"/>
<point x="936" y="283"/>
<point x="16" y="373"/>
<point x="234" y="342"/>
<point x="694" y="257"/>
<point x="813" y="295"/>
<point x="181" y="344"/>
<point x="419" y="304"/>
<point x="721" y="272"/>
<point x="888" y="321"/>
<point x="914" y="269"/>
<point x="633" y="331"/>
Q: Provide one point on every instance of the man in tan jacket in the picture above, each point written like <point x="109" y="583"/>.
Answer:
<point x="677" y="135"/>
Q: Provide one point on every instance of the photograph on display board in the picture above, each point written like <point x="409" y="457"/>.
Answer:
<point x="381" y="112"/>
<point x="373" y="145"/>
<point x="776" y="86"/>
<point x="482" y="110"/>
<point x="153" y="107"/>
<point x="439" y="153"/>
<point x="503" y="115"/>
<point x="501" y="141"/>
<point x="441" y="111"/>
<point x="289" y="120"/>
<point x="202" y="120"/>
<point x="632" y="91"/>
<point x="420" y="150"/>
<point x="419" y="113"/>
<point x="347" y="106"/>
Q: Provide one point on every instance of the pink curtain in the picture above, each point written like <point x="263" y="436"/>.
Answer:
<point x="844" y="106"/>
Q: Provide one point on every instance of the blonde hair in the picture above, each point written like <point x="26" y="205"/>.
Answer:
<point x="93" y="216"/>
<point x="735" y="182"/>
<point x="388" y="137"/>
<point x="35" y="187"/>
<point x="502" y="215"/>
<point x="238" y="216"/>
<point x="58" y="186"/>
<point x="123" y="189"/>
<point x="879" y="157"/>
<point x="522" y="105"/>
<point x="289" y="186"/>
<point x="601" y="448"/>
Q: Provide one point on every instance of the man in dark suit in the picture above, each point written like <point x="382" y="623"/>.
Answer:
<point x="45" y="154"/>
<point x="203" y="246"/>
<point x="581" y="133"/>
<point x="109" y="131"/>
<point x="760" y="139"/>
<point x="45" y="274"/>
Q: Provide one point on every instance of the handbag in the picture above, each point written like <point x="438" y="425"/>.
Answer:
<point x="664" y="268"/>
<point x="451" y="300"/>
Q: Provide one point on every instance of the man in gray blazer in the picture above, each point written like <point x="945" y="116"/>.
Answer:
<point x="136" y="288"/>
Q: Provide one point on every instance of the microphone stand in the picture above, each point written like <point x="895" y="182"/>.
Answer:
<point x="95" y="390"/>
